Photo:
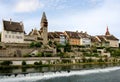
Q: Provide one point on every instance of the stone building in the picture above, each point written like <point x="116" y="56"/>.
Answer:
<point x="42" y="34"/>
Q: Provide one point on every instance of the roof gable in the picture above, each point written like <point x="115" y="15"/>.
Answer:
<point x="111" y="37"/>
<point x="72" y="34"/>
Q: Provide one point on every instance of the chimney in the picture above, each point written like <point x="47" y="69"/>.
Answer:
<point x="10" y="20"/>
<point x="77" y="31"/>
<point x="85" y="32"/>
<point x="21" y="23"/>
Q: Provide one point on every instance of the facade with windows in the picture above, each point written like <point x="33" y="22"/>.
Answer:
<point x="85" y="41"/>
<point x="12" y="32"/>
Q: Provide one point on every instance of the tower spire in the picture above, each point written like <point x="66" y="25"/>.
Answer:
<point x="107" y="31"/>
<point x="44" y="18"/>
<point x="44" y="28"/>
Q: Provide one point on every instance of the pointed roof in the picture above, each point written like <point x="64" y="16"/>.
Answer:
<point x="44" y="18"/>
<point x="107" y="32"/>
<point x="34" y="32"/>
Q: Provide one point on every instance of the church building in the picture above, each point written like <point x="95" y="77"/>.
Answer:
<point x="42" y="34"/>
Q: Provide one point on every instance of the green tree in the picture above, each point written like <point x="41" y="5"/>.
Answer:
<point x="50" y="43"/>
<point x="38" y="44"/>
<point x="32" y="44"/>
<point x="67" y="47"/>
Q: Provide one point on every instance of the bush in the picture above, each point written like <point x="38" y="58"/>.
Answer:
<point x="32" y="44"/>
<point x="23" y="62"/>
<point x="47" y="54"/>
<point x="36" y="44"/>
<point x="36" y="63"/>
<point x="7" y="63"/>
<point x="40" y="54"/>
<point x="27" y="55"/>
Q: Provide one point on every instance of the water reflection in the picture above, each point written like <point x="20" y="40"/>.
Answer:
<point x="56" y="68"/>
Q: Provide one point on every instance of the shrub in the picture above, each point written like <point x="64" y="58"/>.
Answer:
<point x="6" y="63"/>
<point x="36" y="63"/>
<point x="38" y="44"/>
<point x="23" y="62"/>
<point x="32" y="44"/>
<point x="26" y="55"/>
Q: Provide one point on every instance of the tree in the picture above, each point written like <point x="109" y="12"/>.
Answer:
<point x="67" y="47"/>
<point x="32" y="44"/>
<point x="38" y="44"/>
<point x="50" y="43"/>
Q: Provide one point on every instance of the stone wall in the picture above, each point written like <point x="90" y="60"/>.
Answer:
<point x="15" y="52"/>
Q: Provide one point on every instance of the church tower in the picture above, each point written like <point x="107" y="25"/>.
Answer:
<point x="44" y="29"/>
<point x="107" y="32"/>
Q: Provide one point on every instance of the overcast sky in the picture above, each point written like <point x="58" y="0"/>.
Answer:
<point x="92" y="16"/>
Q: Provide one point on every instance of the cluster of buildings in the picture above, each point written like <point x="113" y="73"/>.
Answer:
<point x="13" y="32"/>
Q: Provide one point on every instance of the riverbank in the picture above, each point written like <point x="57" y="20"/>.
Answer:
<point x="56" y="67"/>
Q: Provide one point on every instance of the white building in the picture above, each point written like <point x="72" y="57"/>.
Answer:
<point x="84" y="39"/>
<point x="12" y="32"/>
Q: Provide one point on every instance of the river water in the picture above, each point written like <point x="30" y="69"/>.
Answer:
<point x="87" y="74"/>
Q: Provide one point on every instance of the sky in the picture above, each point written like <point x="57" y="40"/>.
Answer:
<point x="91" y="16"/>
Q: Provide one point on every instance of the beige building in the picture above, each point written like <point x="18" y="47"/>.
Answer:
<point x="12" y="32"/>
<point x="106" y="40"/>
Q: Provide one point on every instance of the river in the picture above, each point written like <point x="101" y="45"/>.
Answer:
<point x="74" y="73"/>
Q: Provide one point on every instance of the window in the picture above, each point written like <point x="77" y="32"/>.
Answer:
<point x="9" y="36"/>
<point x="5" y="36"/>
<point x="13" y="36"/>
<point x="8" y="32"/>
<point x="17" y="37"/>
